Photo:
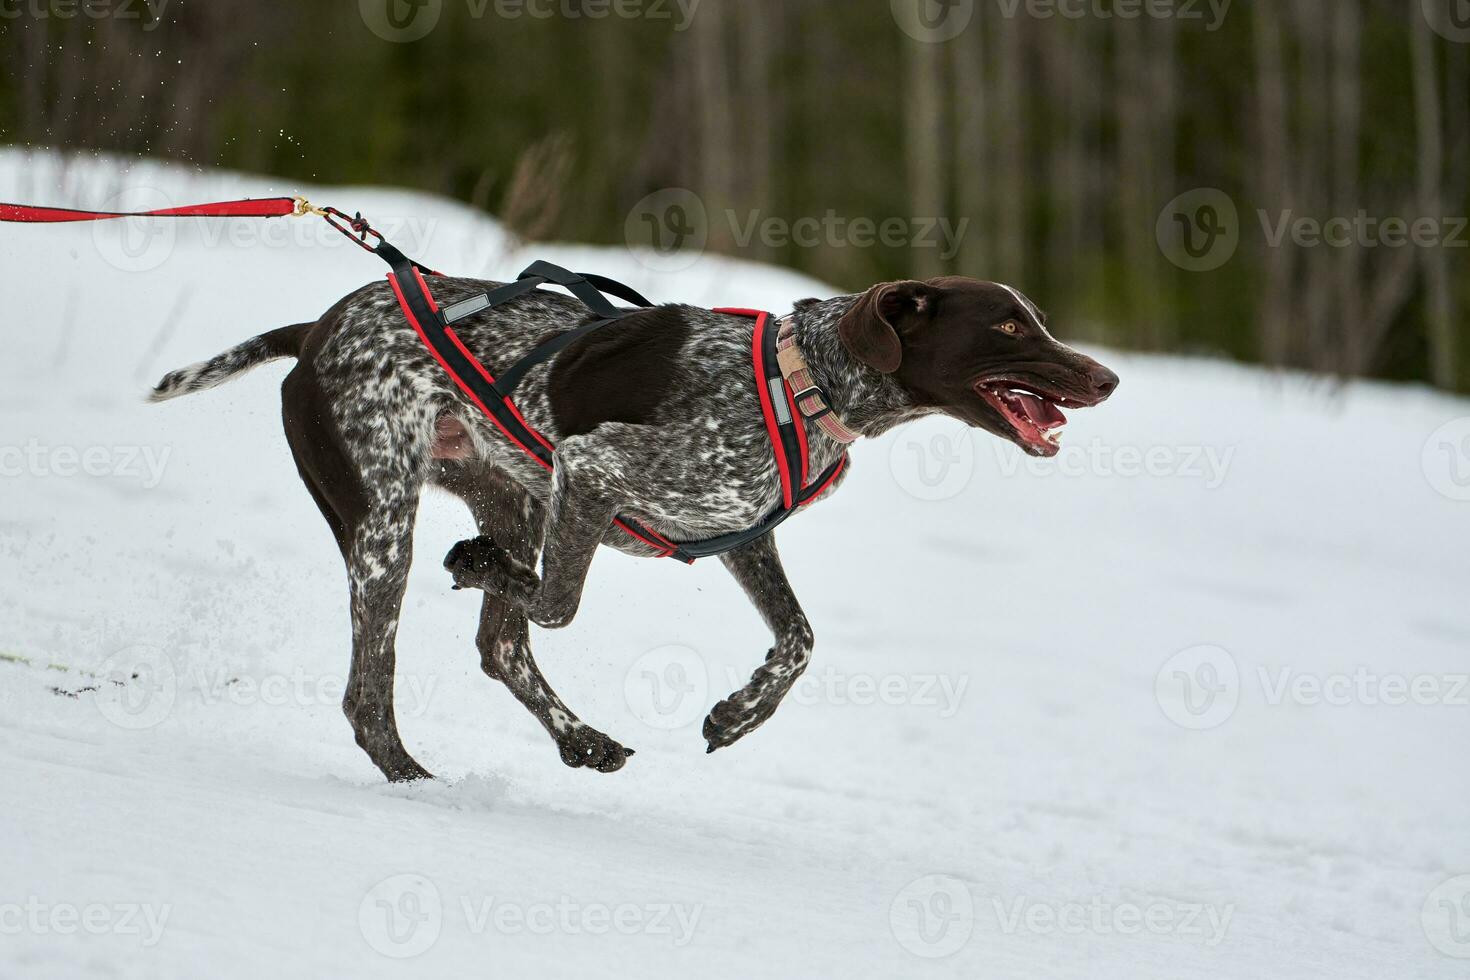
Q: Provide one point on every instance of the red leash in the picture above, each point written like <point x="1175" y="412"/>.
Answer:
<point x="356" y="227"/>
<point x="265" y="207"/>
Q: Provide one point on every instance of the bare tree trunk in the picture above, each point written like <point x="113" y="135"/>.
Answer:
<point x="924" y="144"/>
<point x="616" y="129"/>
<point x="1443" y="347"/>
<point x="1163" y="85"/>
<point x="1457" y="125"/>
<point x="973" y="173"/>
<point x="1347" y="91"/>
<point x="1057" y="48"/>
<point x="1135" y="183"/>
<point x="1081" y="173"/>
<point x="758" y="35"/>
<point x="1273" y="157"/>
<point x="1009" y="135"/>
<point x="716" y="127"/>
<point x="32" y="43"/>
<point x="1312" y="191"/>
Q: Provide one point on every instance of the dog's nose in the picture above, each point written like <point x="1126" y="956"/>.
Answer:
<point x="1104" y="382"/>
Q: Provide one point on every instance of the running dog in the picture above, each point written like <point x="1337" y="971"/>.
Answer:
<point x="656" y="418"/>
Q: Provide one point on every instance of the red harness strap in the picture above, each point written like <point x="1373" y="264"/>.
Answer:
<point x="406" y="302"/>
<point x="791" y="483"/>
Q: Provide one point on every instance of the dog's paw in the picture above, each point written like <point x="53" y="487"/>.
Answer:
<point x="588" y="748"/>
<point x="730" y="721"/>
<point x="469" y="561"/>
<point x="480" y="563"/>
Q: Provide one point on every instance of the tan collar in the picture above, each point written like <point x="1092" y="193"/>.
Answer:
<point x="811" y="400"/>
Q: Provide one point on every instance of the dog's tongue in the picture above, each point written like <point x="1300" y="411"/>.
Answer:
<point x="1041" y="413"/>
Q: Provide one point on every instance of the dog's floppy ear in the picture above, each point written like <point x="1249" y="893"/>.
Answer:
<point x="870" y="330"/>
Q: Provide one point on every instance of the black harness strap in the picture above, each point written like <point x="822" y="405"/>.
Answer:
<point x="585" y="286"/>
<point x="493" y="396"/>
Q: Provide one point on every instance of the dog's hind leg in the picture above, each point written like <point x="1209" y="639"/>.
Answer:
<point x="379" y="552"/>
<point x="757" y="567"/>
<point x="373" y="524"/>
<point x="511" y="517"/>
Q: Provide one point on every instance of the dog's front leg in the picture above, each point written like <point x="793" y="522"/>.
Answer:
<point x="757" y="567"/>
<point x="579" y="513"/>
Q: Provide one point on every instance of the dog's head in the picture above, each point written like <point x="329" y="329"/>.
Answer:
<point x="977" y="351"/>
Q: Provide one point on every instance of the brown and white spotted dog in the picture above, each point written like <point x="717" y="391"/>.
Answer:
<point x="655" y="418"/>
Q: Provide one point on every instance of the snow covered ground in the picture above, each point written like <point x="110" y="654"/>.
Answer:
<point x="1188" y="702"/>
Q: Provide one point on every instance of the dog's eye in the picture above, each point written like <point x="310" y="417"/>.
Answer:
<point x="1010" y="326"/>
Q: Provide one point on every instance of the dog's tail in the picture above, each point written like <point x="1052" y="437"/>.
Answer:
<point x="283" y="342"/>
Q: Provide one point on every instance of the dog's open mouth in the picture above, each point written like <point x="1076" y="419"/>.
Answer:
<point x="1035" y="418"/>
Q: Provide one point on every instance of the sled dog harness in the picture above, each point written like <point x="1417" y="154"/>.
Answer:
<point x="787" y="391"/>
<point x="492" y="395"/>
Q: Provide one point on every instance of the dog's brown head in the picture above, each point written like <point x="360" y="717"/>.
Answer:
<point x="977" y="351"/>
